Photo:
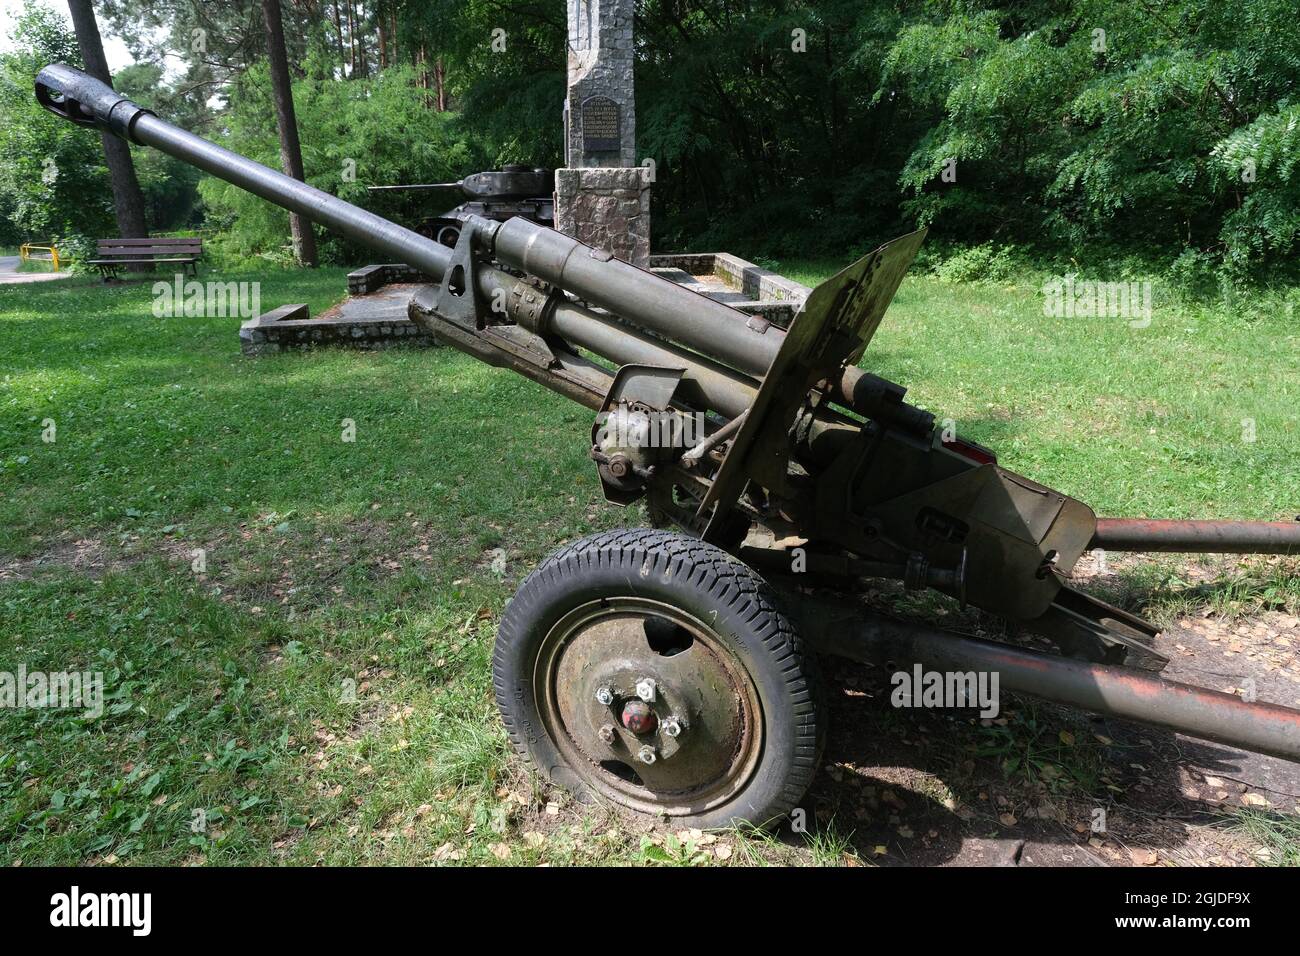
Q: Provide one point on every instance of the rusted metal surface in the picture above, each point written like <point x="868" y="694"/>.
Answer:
<point x="1197" y="537"/>
<point x="840" y="627"/>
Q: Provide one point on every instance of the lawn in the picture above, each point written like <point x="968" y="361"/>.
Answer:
<point x="295" y="628"/>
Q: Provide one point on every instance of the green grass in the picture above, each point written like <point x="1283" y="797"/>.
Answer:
<point x="36" y="265"/>
<point x="1276" y="833"/>
<point x="320" y="692"/>
<point x="1133" y="421"/>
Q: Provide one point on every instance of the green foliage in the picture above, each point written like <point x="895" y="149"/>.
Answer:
<point x="1082" y="130"/>
<point x="758" y="118"/>
<point x="356" y="134"/>
<point x="982" y="263"/>
<point x="53" y="180"/>
<point x="1279" y="833"/>
<point x="1162" y="126"/>
<point x="509" y="100"/>
<point x="1266" y="224"/>
<point x="170" y="186"/>
<point x="75" y="249"/>
<point x="54" y="183"/>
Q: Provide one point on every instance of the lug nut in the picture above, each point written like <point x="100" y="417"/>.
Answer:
<point x="645" y="689"/>
<point x="604" y="696"/>
<point x="606" y="734"/>
<point x="672" y="726"/>
<point x="646" y="754"/>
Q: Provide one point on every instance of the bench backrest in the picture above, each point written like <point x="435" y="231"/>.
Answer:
<point x="141" y="248"/>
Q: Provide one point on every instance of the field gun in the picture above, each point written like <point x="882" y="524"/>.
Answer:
<point x="667" y="669"/>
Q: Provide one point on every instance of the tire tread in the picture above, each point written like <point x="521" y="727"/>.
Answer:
<point x="726" y="580"/>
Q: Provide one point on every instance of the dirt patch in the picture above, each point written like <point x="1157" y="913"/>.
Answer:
<point x="95" y="557"/>
<point x="86" y="555"/>
<point x="1039" y="786"/>
<point x="259" y="564"/>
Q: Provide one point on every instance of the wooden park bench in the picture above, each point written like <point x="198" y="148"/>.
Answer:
<point x="113" y="255"/>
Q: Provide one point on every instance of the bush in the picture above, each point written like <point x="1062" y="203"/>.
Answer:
<point x="1098" y="122"/>
<point x="982" y="263"/>
<point x="75" y="250"/>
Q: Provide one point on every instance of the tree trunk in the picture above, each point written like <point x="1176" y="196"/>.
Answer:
<point x="422" y="76"/>
<point x="338" y="28"/>
<point x="440" y="78"/>
<point x="128" y="201"/>
<point x="304" y="240"/>
<point x="362" y="63"/>
<point x="352" y="37"/>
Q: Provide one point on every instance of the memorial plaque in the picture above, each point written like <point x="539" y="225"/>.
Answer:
<point x="600" y="125"/>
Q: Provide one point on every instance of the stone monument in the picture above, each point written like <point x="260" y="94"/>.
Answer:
<point x="602" y="196"/>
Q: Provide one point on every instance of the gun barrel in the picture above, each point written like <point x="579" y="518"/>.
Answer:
<point x="85" y="100"/>
<point x="725" y="350"/>
<point x="640" y="297"/>
<point x="415" y="187"/>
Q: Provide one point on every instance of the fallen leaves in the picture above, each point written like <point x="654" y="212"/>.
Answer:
<point x="1143" y="857"/>
<point x="448" y="852"/>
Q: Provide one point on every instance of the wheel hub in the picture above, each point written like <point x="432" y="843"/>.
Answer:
<point x="649" y="704"/>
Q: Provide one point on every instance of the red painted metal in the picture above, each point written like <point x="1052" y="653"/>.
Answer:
<point x="638" y="717"/>
<point x="1197" y="537"/>
<point x="1100" y="688"/>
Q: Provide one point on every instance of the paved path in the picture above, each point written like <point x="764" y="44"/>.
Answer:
<point x="9" y="274"/>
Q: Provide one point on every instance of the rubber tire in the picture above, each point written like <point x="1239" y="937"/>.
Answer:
<point x="703" y="578"/>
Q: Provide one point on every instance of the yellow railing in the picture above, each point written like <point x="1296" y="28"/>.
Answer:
<point x="25" y="253"/>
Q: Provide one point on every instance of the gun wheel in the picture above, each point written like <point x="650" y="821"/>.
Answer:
<point x="652" y="670"/>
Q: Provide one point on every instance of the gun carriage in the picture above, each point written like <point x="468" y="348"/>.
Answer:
<point x="668" y="669"/>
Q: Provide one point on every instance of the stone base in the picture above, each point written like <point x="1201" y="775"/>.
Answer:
<point x="735" y="281"/>
<point x="608" y="208"/>
<point x="372" y="278"/>
<point x="375" y="315"/>
<point x="374" y="321"/>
